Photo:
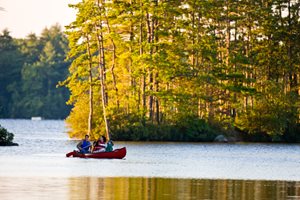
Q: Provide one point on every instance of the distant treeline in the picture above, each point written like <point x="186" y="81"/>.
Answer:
<point x="30" y="69"/>
<point x="185" y="70"/>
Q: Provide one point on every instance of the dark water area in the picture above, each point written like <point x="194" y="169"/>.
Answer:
<point x="38" y="169"/>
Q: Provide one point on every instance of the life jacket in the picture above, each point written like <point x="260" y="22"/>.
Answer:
<point x="109" y="146"/>
<point x="85" y="145"/>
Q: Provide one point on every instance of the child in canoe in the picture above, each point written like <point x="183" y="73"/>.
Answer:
<point x="100" y="145"/>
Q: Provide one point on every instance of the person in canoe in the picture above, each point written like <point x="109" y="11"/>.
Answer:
<point x="100" y="145"/>
<point x="84" y="145"/>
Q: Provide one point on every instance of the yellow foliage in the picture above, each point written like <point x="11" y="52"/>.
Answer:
<point x="79" y="114"/>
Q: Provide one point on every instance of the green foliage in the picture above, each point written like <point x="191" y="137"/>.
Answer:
<point x="194" y="129"/>
<point x="10" y="67"/>
<point x="187" y="128"/>
<point x="30" y="69"/>
<point x="273" y="114"/>
<point x="6" y="137"/>
<point x="174" y="68"/>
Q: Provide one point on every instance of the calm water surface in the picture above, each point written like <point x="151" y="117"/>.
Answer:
<point x="38" y="169"/>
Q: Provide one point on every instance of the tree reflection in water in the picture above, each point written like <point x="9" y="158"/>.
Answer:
<point x="128" y="188"/>
<point x="165" y="188"/>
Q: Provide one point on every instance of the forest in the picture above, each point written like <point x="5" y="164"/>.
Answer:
<point x="30" y="70"/>
<point x="185" y="70"/>
<point x="162" y="70"/>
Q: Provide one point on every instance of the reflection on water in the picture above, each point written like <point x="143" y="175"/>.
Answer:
<point x="144" y="188"/>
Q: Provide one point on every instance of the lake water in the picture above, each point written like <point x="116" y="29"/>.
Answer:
<point x="38" y="169"/>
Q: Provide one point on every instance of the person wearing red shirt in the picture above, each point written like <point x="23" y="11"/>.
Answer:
<point x="100" y="145"/>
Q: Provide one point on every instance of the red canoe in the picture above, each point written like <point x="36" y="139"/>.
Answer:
<point x="116" y="154"/>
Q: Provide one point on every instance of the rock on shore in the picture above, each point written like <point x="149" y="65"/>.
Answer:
<point x="220" y="138"/>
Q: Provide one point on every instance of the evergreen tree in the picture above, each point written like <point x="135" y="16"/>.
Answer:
<point x="10" y="71"/>
<point x="30" y="70"/>
<point x="174" y="69"/>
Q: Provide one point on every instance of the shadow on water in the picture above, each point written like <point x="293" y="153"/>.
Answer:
<point x="144" y="188"/>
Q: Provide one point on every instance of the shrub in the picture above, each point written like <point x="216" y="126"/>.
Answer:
<point x="185" y="128"/>
<point x="5" y="136"/>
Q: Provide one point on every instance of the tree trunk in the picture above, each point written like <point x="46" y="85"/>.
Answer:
<point x="90" y="120"/>
<point x="143" y="80"/>
<point x="150" y="73"/>
<point x="113" y="62"/>
<point x="102" y="76"/>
